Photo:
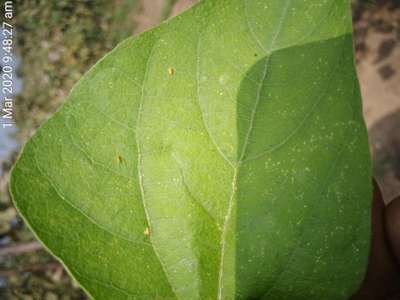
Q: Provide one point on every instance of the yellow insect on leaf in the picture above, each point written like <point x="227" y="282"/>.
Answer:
<point x="147" y="231"/>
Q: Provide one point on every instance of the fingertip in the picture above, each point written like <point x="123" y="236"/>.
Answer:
<point x="392" y="226"/>
<point x="380" y="281"/>
<point x="377" y="195"/>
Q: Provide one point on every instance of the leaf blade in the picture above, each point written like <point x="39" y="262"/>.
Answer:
<point x="163" y="149"/>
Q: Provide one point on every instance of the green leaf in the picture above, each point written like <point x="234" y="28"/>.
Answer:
<point x="222" y="155"/>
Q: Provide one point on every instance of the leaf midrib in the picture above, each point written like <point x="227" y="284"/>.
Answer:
<point x="246" y="141"/>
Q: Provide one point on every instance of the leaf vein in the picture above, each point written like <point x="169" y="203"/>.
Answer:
<point x="139" y="164"/>
<point x="72" y="205"/>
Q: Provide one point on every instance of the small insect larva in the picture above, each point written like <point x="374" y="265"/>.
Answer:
<point x="147" y="231"/>
<point x="120" y="159"/>
<point x="170" y="71"/>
